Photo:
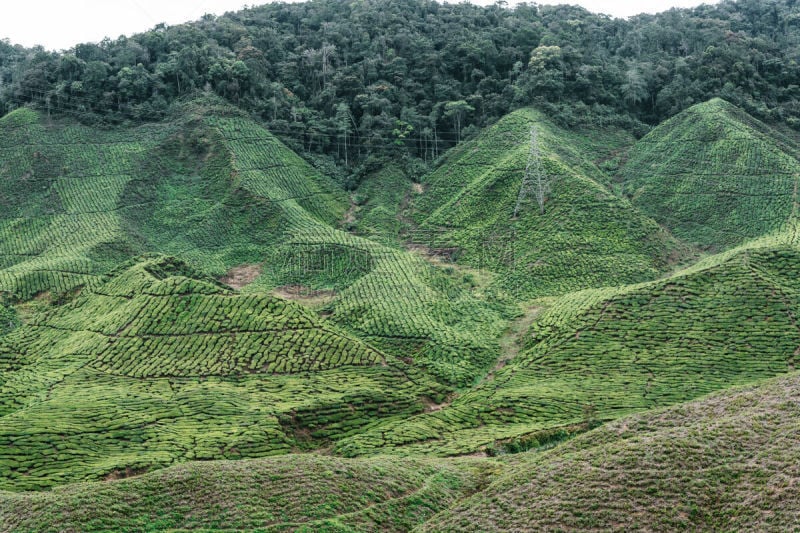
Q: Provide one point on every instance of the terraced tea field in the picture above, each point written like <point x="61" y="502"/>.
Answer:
<point x="587" y="236"/>
<point x="160" y="365"/>
<point x="714" y="176"/>
<point x="77" y="202"/>
<point x="193" y="291"/>
<point x="604" y="353"/>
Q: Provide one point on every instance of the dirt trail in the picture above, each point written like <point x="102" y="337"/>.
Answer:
<point x="511" y="342"/>
<point x="350" y="215"/>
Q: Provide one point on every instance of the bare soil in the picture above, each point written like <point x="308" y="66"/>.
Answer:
<point x="241" y="276"/>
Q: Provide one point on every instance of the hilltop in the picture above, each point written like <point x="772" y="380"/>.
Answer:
<point x="714" y="176"/>
<point x="586" y="236"/>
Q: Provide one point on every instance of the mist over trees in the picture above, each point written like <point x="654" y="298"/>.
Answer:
<point x="348" y="80"/>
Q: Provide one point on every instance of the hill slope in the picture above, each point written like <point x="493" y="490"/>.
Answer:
<point x="159" y="365"/>
<point x="223" y="194"/>
<point x="729" y="320"/>
<point x="76" y="201"/>
<point x="290" y="493"/>
<point x="714" y="176"/>
<point x="587" y="236"/>
<point x="728" y="462"/>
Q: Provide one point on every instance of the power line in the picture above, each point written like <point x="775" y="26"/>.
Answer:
<point x="61" y="106"/>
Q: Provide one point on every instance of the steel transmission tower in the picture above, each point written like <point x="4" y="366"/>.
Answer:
<point x="535" y="180"/>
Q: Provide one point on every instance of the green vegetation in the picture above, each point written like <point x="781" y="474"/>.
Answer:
<point x="729" y="320"/>
<point x="8" y="319"/>
<point x="745" y="187"/>
<point x="586" y="237"/>
<point x="291" y="493"/>
<point x="191" y="289"/>
<point x="77" y="202"/>
<point x="159" y="365"/>
<point x="728" y="462"/>
<point x="378" y="204"/>
<point x="219" y="191"/>
<point x="352" y="81"/>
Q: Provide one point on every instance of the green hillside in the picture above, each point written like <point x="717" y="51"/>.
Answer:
<point x="714" y="176"/>
<point x="160" y="365"/>
<point x="208" y="186"/>
<point x="291" y="493"/>
<point x="192" y="290"/>
<point x="378" y="205"/>
<point x="587" y="236"/>
<point x="599" y="354"/>
<point x="728" y="462"/>
<point x="224" y="195"/>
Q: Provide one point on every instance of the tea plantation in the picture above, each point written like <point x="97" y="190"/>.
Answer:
<point x="191" y="305"/>
<point x="714" y="176"/>
<point x="156" y="366"/>
<point x="76" y="202"/>
<point x="586" y="237"/>
<point x="599" y="354"/>
<point x="727" y="462"/>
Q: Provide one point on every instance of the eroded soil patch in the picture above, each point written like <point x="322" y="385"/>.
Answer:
<point x="241" y="276"/>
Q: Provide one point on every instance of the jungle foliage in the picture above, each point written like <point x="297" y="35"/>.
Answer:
<point x="356" y="80"/>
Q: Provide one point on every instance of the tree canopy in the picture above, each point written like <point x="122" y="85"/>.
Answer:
<point x="349" y="79"/>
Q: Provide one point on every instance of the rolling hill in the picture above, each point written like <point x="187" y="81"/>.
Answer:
<point x="728" y="462"/>
<point x="159" y="365"/>
<point x="77" y="202"/>
<point x="290" y="493"/>
<point x="586" y="237"/>
<point x="714" y="176"/>
<point x="604" y="353"/>
<point x="217" y="190"/>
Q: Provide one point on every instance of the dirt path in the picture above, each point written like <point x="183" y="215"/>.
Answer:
<point x="350" y="215"/>
<point x="511" y="342"/>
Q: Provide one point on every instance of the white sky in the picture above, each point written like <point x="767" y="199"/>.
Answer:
<point x="60" y="24"/>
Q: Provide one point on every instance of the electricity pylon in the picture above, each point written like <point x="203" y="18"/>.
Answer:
<point x="535" y="180"/>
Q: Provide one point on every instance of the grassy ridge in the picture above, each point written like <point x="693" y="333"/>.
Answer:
<point x="728" y="462"/>
<point x="290" y="493"/>
<point x="714" y="176"/>
<point x="608" y="352"/>
<point x="587" y="236"/>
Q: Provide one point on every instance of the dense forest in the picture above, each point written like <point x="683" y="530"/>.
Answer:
<point x="344" y="81"/>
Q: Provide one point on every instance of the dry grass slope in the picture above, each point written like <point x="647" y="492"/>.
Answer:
<point x="728" y="462"/>
<point x="307" y="493"/>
